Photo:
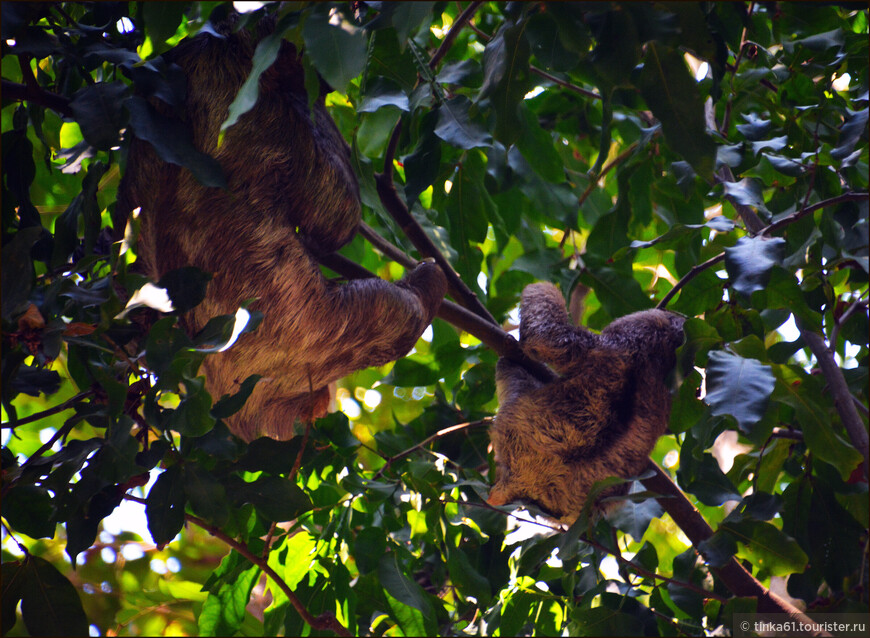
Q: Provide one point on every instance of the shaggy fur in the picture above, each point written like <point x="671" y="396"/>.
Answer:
<point x="292" y="196"/>
<point x="601" y="418"/>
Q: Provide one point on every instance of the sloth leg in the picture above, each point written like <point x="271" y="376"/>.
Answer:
<point x="546" y="331"/>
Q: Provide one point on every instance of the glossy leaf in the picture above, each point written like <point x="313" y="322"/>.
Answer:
<point x="739" y="387"/>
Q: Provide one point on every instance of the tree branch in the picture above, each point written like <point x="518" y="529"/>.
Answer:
<point x="840" y="392"/>
<point x="694" y="272"/>
<point x="428" y="440"/>
<point x="66" y="405"/>
<point x="24" y="93"/>
<point x="489" y="333"/>
<point x="732" y="574"/>
<point x="400" y="213"/>
<point x="460" y="22"/>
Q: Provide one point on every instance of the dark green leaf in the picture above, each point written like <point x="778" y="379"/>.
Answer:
<point x="739" y="387"/>
<point x="383" y="92"/>
<point x="29" y="509"/>
<point x="229" y="404"/>
<point x="455" y="126"/>
<point x="275" y="498"/>
<point x="208" y="498"/>
<point x="402" y="588"/>
<point x="17" y="274"/>
<point x="172" y="141"/>
<point x="98" y="111"/>
<point x="12" y="575"/>
<point x="672" y="95"/>
<point x="506" y="79"/>
<point x="768" y="547"/>
<point x="186" y="287"/>
<point x="818" y="430"/>
<point x="269" y="455"/>
<point x="223" y="612"/>
<point x="750" y="261"/>
<point x="369" y="547"/>
<point x="50" y="605"/>
<point x="337" y="50"/>
<point x="165" y="506"/>
<point x="162" y="19"/>
<point x="264" y="56"/>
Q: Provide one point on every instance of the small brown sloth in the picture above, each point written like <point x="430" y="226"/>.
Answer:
<point x="600" y="418"/>
<point x="292" y="197"/>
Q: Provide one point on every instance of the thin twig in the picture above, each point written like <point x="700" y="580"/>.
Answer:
<point x="649" y="574"/>
<point x="694" y="272"/>
<point x="428" y="440"/>
<point x="325" y="621"/>
<point x="66" y="405"/>
<point x="460" y="21"/>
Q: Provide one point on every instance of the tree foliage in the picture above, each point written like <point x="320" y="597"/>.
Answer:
<point x="583" y="144"/>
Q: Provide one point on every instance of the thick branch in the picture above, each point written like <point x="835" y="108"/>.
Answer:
<point x="733" y="574"/>
<point x="840" y="392"/>
<point x="24" y="93"/>
<point x="400" y="213"/>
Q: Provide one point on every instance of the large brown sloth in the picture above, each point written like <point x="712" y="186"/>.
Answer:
<point x="601" y="418"/>
<point x="292" y="197"/>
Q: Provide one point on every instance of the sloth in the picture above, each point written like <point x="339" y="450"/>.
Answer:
<point x="292" y="197"/>
<point x="600" y="418"/>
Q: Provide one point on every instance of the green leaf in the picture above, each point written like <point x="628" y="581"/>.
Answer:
<point x="383" y="92"/>
<point x="402" y="588"/>
<point x="98" y="110"/>
<point x="50" y="605"/>
<point x="673" y="97"/>
<point x="368" y="548"/>
<point x="407" y="16"/>
<point x="17" y="273"/>
<point x="601" y="621"/>
<point x="739" y="387"/>
<point x="338" y="51"/>
<point x="750" y="261"/>
<point x="710" y="485"/>
<point x="467" y="579"/>
<point x="275" y="498"/>
<point x="207" y="495"/>
<point x="223" y="612"/>
<point x="537" y="147"/>
<point x="162" y="20"/>
<point x="719" y="548"/>
<point x="268" y="455"/>
<point x="455" y="126"/>
<point x="423" y="163"/>
<point x="506" y="79"/>
<point x="192" y="417"/>
<point x="264" y="56"/>
<point x="165" y="506"/>
<point x="618" y="293"/>
<point x="173" y="142"/>
<point x="12" y="575"/>
<point x="186" y="287"/>
<point x="229" y="404"/>
<point x="767" y="547"/>
<point x="409" y="373"/>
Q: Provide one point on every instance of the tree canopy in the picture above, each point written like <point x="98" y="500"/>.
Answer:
<point x="708" y="158"/>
